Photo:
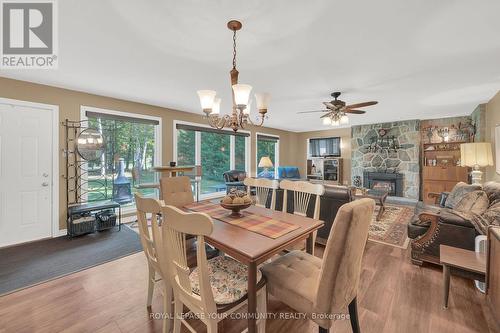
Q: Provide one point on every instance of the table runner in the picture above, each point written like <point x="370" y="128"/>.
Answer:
<point x="263" y="225"/>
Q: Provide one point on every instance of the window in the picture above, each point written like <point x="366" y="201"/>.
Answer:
<point x="130" y="147"/>
<point x="217" y="151"/>
<point x="268" y="146"/>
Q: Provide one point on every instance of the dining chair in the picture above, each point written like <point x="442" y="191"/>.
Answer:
<point x="323" y="288"/>
<point x="263" y="187"/>
<point x="302" y="193"/>
<point x="150" y="209"/>
<point x="217" y="287"/>
<point x="176" y="191"/>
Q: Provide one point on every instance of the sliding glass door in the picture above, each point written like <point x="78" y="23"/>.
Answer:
<point x="216" y="151"/>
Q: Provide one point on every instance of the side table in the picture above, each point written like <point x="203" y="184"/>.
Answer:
<point x="465" y="263"/>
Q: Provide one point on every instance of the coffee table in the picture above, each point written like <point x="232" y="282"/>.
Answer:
<point x="378" y="195"/>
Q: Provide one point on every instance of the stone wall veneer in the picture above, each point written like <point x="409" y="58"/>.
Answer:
<point x="405" y="160"/>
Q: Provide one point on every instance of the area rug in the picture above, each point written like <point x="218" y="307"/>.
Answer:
<point x="392" y="227"/>
<point x="29" y="264"/>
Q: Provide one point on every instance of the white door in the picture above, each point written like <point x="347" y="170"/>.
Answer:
<point x="25" y="173"/>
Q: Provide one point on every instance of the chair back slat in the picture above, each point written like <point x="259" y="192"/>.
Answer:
<point x="262" y="189"/>
<point x="148" y="208"/>
<point x="176" y="225"/>
<point x="302" y="193"/>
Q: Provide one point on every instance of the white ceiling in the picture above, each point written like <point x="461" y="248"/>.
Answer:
<point x="419" y="59"/>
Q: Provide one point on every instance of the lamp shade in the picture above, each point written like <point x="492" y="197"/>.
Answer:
<point x="216" y="106"/>
<point x="476" y="154"/>
<point x="206" y="98"/>
<point x="241" y="93"/>
<point x="262" y="100"/>
<point x="327" y="121"/>
<point x="265" y="162"/>
<point x="344" y="120"/>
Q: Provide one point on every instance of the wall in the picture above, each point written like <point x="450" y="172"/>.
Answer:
<point x="69" y="102"/>
<point x="345" y="137"/>
<point x="405" y="160"/>
<point x="492" y="119"/>
<point x="478" y="117"/>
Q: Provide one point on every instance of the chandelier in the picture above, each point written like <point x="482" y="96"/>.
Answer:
<point x="240" y="115"/>
<point x="336" y="118"/>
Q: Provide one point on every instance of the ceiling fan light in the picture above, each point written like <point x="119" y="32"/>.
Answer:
<point x="206" y="98"/>
<point x="344" y="120"/>
<point x="335" y="122"/>
<point x="327" y="121"/>
<point x="241" y="94"/>
<point x="216" y="106"/>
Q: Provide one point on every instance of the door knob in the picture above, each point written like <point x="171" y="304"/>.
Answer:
<point x="45" y="184"/>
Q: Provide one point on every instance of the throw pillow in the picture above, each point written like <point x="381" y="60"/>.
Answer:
<point x="458" y="192"/>
<point x="492" y="189"/>
<point x="473" y="202"/>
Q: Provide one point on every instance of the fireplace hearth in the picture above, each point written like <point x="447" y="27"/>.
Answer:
<point x="392" y="181"/>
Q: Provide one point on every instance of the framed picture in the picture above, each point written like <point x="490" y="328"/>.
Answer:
<point x="497" y="148"/>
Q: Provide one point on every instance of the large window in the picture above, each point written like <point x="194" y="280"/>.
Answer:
<point x="267" y="146"/>
<point x="216" y="152"/>
<point x="130" y="154"/>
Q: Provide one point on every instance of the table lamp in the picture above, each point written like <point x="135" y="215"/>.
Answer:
<point x="476" y="155"/>
<point x="266" y="163"/>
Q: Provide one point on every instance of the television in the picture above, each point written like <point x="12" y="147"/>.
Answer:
<point x="324" y="147"/>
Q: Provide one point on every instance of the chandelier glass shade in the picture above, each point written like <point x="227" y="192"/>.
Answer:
<point x="336" y="118"/>
<point x="240" y="115"/>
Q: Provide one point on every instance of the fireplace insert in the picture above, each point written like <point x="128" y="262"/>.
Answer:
<point x="392" y="182"/>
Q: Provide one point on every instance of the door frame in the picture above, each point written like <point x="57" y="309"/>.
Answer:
<point x="55" y="156"/>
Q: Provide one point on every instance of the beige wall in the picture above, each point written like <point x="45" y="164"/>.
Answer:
<point x="492" y="119"/>
<point x="69" y="103"/>
<point x="345" y="135"/>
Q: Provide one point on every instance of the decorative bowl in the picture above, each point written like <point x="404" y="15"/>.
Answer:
<point x="235" y="208"/>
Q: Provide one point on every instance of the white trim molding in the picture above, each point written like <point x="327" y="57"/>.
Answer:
<point x="276" y="154"/>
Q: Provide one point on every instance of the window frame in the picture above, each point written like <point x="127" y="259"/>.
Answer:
<point x="276" y="154"/>
<point x="198" y="150"/>
<point x="158" y="158"/>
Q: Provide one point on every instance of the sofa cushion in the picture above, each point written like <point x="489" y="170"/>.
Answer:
<point x="457" y="193"/>
<point x="492" y="189"/>
<point x="475" y="202"/>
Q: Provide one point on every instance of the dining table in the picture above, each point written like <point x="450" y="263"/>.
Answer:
<point x="252" y="248"/>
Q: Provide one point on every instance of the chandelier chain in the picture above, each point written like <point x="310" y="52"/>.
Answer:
<point x="234" y="49"/>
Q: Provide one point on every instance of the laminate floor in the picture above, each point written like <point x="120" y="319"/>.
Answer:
<point x="394" y="296"/>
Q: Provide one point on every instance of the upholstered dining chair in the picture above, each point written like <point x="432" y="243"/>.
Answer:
<point x="323" y="288"/>
<point x="150" y="209"/>
<point x="262" y="187"/>
<point x="302" y="193"/>
<point x="216" y="286"/>
<point x="176" y="191"/>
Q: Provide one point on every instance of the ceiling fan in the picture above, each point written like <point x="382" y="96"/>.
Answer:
<point x="337" y="110"/>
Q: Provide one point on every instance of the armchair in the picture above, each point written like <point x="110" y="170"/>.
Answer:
<point x="234" y="179"/>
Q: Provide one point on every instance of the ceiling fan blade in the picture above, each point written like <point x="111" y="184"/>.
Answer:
<point x="354" y="111"/>
<point x="314" y="111"/>
<point x="326" y="115"/>
<point x="360" y="105"/>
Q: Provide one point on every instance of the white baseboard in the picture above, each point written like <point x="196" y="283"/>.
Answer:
<point x="62" y="232"/>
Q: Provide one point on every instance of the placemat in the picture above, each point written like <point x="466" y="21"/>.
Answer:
<point x="263" y="225"/>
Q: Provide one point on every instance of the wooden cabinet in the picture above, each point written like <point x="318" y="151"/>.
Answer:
<point x="441" y="179"/>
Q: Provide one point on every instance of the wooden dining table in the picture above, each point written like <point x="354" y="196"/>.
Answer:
<point x="252" y="249"/>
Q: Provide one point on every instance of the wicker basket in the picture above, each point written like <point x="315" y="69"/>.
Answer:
<point x="81" y="224"/>
<point x="105" y="219"/>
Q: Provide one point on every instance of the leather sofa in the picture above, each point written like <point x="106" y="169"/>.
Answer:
<point x="331" y="200"/>
<point x="234" y="179"/>
<point x="433" y="225"/>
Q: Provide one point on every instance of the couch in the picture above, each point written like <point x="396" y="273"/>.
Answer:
<point x="433" y="225"/>
<point x="234" y="179"/>
<point x="288" y="172"/>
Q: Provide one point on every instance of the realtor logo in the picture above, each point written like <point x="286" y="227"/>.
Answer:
<point x="29" y="34"/>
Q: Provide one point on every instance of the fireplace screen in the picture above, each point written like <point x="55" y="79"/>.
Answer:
<point x="382" y="185"/>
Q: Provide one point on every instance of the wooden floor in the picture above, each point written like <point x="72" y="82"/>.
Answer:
<point x="394" y="296"/>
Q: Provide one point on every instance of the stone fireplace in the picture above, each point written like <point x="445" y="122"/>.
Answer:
<point x="393" y="182"/>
